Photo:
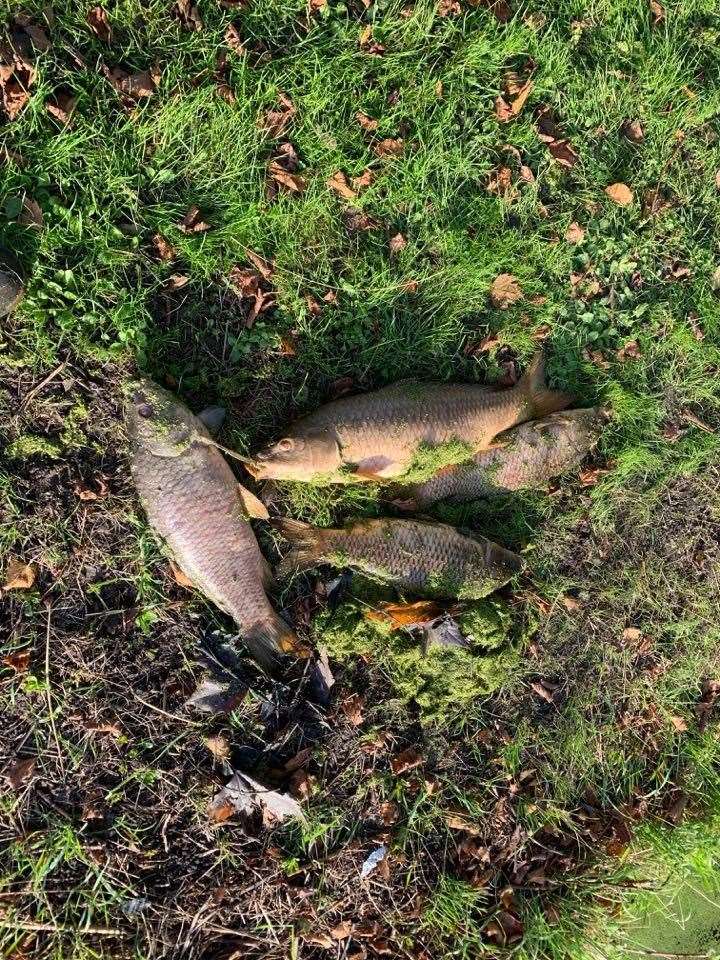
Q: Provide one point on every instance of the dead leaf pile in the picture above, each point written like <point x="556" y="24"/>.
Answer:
<point x="282" y="172"/>
<point x="505" y="291"/>
<point x="249" y="799"/>
<point x="278" y="118"/>
<point x="549" y="132"/>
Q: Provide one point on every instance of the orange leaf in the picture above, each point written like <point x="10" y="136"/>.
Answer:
<point x="505" y="291"/>
<point x="406" y="760"/>
<point x="338" y="183"/>
<point x="575" y="233"/>
<point x="19" y="575"/>
<point x="180" y="577"/>
<point x="620" y="193"/>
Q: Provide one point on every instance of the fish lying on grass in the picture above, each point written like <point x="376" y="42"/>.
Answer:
<point x="194" y="502"/>
<point x="11" y="292"/>
<point x="425" y="558"/>
<point x="526" y="457"/>
<point x="377" y="435"/>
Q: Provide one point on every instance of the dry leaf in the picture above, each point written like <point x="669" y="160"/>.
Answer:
<point x="180" y="577"/>
<point x="352" y="707"/>
<point x="678" y="723"/>
<point x="367" y="123"/>
<point x="397" y="243"/>
<point x="292" y="182"/>
<point x="590" y="475"/>
<point x="279" y="117"/>
<point x="620" y="193"/>
<point x="631" y="351"/>
<point x="36" y="33"/>
<point x="389" y="813"/>
<point x="406" y="760"/>
<point x="338" y="183"/>
<point x="176" y="281"/>
<point x="401" y="615"/>
<point x="192" y="221"/>
<point x="367" y="43"/>
<point x="246" y="796"/>
<point x="19" y="575"/>
<point x="575" y="233"/>
<point x="188" y="14"/>
<point x="633" y="131"/>
<point x="389" y="147"/>
<point x="20" y="772"/>
<point x="97" y="20"/>
<point x="657" y="12"/>
<point x="134" y="86"/>
<point x="506" y="110"/>
<point x="31" y="215"/>
<point x="218" y="746"/>
<point x="234" y="41"/>
<point x="61" y="105"/>
<point x="563" y="152"/>
<point x="164" y="249"/>
<point x="542" y="691"/>
<point x="18" y="660"/>
<point x="505" y="291"/>
<point x="16" y="78"/>
<point x="448" y="8"/>
<point x="363" y="181"/>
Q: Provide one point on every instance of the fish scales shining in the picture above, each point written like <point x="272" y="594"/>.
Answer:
<point x="526" y="457"/>
<point x="426" y="558"/>
<point x="194" y="502"/>
<point x="377" y="435"/>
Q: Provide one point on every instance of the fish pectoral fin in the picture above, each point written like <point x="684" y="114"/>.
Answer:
<point x="213" y="418"/>
<point x="378" y="468"/>
<point x="252" y="505"/>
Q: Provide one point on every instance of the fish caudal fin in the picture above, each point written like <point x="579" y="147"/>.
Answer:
<point x="306" y="546"/>
<point x="270" y="640"/>
<point x="540" y="397"/>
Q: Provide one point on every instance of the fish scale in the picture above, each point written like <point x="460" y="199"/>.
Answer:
<point x="417" y="556"/>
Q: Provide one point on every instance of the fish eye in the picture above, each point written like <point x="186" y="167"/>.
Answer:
<point x="145" y="410"/>
<point x="285" y="445"/>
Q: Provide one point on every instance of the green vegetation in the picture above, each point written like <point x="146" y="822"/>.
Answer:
<point x="572" y="753"/>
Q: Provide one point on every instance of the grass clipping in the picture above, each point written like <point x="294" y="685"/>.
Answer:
<point x="445" y="679"/>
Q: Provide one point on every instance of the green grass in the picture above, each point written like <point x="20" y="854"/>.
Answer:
<point x="636" y="549"/>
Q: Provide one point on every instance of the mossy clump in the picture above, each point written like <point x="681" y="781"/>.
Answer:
<point x="442" y="680"/>
<point x="28" y="445"/>
<point x="429" y="458"/>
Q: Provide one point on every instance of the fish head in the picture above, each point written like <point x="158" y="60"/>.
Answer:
<point x="298" y="458"/>
<point x="157" y="420"/>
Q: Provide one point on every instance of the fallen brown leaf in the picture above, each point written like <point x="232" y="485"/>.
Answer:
<point x="500" y="9"/>
<point x="516" y="94"/>
<point x="368" y="44"/>
<point x="278" y="118"/>
<point x="397" y="244"/>
<point x="218" y="746"/>
<point x="500" y="182"/>
<point x="192" y="222"/>
<point x="389" y="812"/>
<point x="234" y="41"/>
<point x="632" y="130"/>
<point x="657" y="12"/>
<point x="36" y="33"/>
<point x="448" y="8"/>
<point x="505" y="291"/>
<point x="266" y="268"/>
<point x="338" y="183"/>
<point x="282" y="171"/>
<point x="563" y="152"/>
<point x="631" y="351"/>
<point x="16" y="78"/>
<point x="342" y="931"/>
<point x="61" y="105"/>
<point x="620" y="193"/>
<point x="542" y="690"/>
<point x="19" y="773"/>
<point x="20" y="575"/>
<point x="405" y="614"/>
<point x="179" y="576"/>
<point x="134" y="86"/>
<point x="575" y="233"/>
<point x="368" y="123"/>
<point x="176" y="281"/>
<point x="248" y="284"/>
<point x="163" y="248"/>
<point x="97" y="20"/>
<point x="188" y="14"/>
<point x="352" y="707"/>
<point x="364" y="180"/>
<point x="31" y="215"/>
<point x="358" y="221"/>
<point x="390" y="147"/>
<point x="590" y="475"/>
<point x="406" y="760"/>
<point x="301" y="785"/>
<point x="678" y="723"/>
<point x="18" y="660"/>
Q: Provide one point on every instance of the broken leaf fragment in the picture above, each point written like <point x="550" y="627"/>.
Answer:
<point x="20" y="575"/>
<point x="406" y="760"/>
<point x="339" y="184"/>
<point x="575" y="233"/>
<point x="97" y="20"/>
<point x="505" y="291"/>
<point x="20" y="772"/>
<point x="246" y="797"/>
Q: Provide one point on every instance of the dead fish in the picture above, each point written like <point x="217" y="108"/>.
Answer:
<point x="526" y="457"/>
<point x="194" y="502"/>
<point x="420" y="557"/>
<point x="376" y="435"/>
<point x="11" y="292"/>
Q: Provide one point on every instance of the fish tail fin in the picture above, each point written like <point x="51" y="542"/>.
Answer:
<point x="541" y="399"/>
<point x="269" y="640"/>
<point x="306" y="548"/>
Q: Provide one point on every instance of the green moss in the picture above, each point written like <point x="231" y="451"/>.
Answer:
<point x="429" y="458"/>
<point x="441" y="681"/>
<point x="28" y="445"/>
<point x="73" y="435"/>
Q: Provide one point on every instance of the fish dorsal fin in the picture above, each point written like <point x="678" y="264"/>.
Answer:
<point x="252" y="505"/>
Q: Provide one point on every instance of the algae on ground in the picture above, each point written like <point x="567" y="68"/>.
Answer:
<point x="443" y="680"/>
<point x="29" y="445"/>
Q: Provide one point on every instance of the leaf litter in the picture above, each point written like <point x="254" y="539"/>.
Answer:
<point x="245" y="797"/>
